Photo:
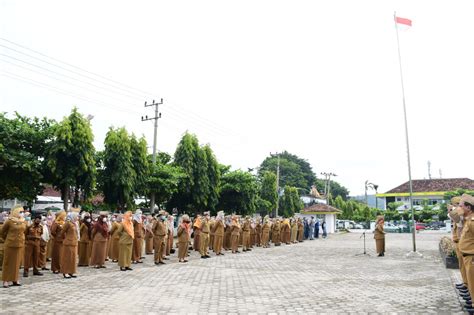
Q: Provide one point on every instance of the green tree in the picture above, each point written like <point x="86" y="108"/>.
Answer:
<point x="238" y="193"/>
<point x="294" y="171"/>
<point x="268" y="193"/>
<point x="164" y="181"/>
<point x="71" y="157"/>
<point x="214" y="175"/>
<point x="118" y="174"/>
<point x="199" y="192"/>
<point x="22" y="156"/>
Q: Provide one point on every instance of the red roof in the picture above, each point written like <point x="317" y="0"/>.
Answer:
<point x="320" y="207"/>
<point x="434" y="185"/>
<point x="51" y="192"/>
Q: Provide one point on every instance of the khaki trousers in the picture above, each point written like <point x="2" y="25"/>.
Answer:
<point x="204" y="244"/>
<point x="462" y="268"/>
<point x="159" y="244"/>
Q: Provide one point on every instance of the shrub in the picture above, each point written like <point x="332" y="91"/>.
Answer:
<point x="447" y="246"/>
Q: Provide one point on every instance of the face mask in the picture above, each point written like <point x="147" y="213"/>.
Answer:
<point x="88" y="220"/>
<point x="459" y="211"/>
<point x="114" y="219"/>
<point x="104" y="220"/>
<point x="22" y="215"/>
<point x="163" y="218"/>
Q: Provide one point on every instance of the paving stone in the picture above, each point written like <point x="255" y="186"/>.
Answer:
<point x="317" y="276"/>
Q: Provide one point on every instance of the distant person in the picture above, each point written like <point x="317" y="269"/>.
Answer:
<point x="455" y="213"/>
<point x="68" y="255"/>
<point x="379" y="236"/>
<point x="126" y="236"/>
<point x="183" y="238"/>
<point x="32" y="251"/>
<point x="316" y="229"/>
<point x="300" y="230"/>
<point x="306" y="228"/>
<point x="311" y="228"/>
<point x="323" y="227"/>
<point x="466" y="244"/>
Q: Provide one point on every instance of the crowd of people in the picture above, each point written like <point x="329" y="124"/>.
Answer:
<point x="80" y="239"/>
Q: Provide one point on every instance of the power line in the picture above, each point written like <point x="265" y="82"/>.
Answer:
<point x="130" y="88"/>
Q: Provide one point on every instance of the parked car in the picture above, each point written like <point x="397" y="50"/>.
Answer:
<point x="390" y="227"/>
<point x="420" y="226"/>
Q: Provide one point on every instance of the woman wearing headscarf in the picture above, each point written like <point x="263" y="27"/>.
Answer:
<point x="149" y="235"/>
<point x="85" y="242"/>
<point x="169" y="245"/>
<point x="126" y="235"/>
<point x="218" y="233"/>
<point x="44" y="244"/>
<point x="235" y="230"/>
<point x="100" y="234"/>
<point x="56" y="229"/>
<point x="70" y="236"/>
<point x="114" y="239"/>
<point x="49" y="223"/>
<point x="379" y="236"/>
<point x="294" y="231"/>
<point x="266" y="232"/>
<point x="183" y="238"/>
<point x="13" y="233"/>
<point x="258" y="232"/>
<point x="138" y="237"/>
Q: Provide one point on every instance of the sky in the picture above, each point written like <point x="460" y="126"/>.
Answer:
<point x="320" y="79"/>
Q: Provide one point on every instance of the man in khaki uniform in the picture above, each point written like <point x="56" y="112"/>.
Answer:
<point x="33" y="237"/>
<point x="204" y="241"/>
<point x="159" y="234"/>
<point x="455" y="212"/>
<point x="466" y="245"/>
<point x="246" y="235"/>
<point x="218" y="233"/>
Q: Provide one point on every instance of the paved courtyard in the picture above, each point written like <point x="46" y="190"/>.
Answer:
<point x="320" y="276"/>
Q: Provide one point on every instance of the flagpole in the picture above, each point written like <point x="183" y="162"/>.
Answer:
<point x="406" y="137"/>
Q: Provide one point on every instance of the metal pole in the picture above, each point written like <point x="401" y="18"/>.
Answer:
<point x="406" y="136"/>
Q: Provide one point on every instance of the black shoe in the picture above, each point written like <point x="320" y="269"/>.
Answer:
<point x="463" y="291"/>
<point x="44" y="268"/>
<point x="25" y="274"/>
<point x="468" y="302"/>
<point x="466" y="298"/>
<point x="460" y="286"/>
<point x="162" y="263"/>
<point x="249" y="250"/>
<point x="128" y="268"/>
<point x="166" y="258"/>
<point x="66" y="277"/>
<point x="207" y="256"/>
<point x="123" y="269"/>
<point x="203" y="257"/>
<point x="157" y="263"/>
<point x="16" y="284"/>
<point x="102" y="267"/>
<point x="464" y="294"/>
<point x="72" y="276"/>
<point x="37" y="273"/>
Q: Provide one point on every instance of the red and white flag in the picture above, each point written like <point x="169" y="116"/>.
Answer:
<point x="402" y="23"/>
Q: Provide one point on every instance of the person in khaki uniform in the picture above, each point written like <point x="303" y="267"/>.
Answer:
<point x="455" y="213"/>
<point x="56" y="230"/>
<point x="276" y="228"/>
<point x="3" y="216"/>
<point x="235" y="234"/>
<point x="246" y="234"/>
<point x="13" y="233"/>
<point x="44" y="244"/>
<point x="159" y="234"/>
<point x="218" y="228"/>
<point x="85" y="241"/>
<point x="227" y="233"/>
<point x="379" y="236"/>
<point x="138" y="239"/>
<point x="32" y="252"/>
<point x="466" y="243"/>
<point x="126" y="234"/>
<point x="150" y="221"/>
<point x="258" y="232"/>
<point x="205" y="231"/>
<point x="294" y="230"/>
<point x="100" y="235"/>
<point x="69" y="236"/>
<point x="212" y="222"/>
<point x="266" y="232"/>
<point x="169" y="244"/>
<point x="183" y="238"/>
<point x="114" y="240"/>
<point x="197" y="233"/>
<point x="300" y="230"/>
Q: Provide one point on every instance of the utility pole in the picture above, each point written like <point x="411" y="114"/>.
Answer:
<point x="155" y="118"/>
<point x="429" y="169"/>
<point x="328" y="178"/>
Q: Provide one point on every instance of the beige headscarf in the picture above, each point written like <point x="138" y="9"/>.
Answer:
<point x="60" y="217"/>
<point x="127" y="224"/>
<point x="15" y="214"/>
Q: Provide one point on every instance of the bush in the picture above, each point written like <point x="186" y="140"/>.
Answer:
<point x="447" y="246"/>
